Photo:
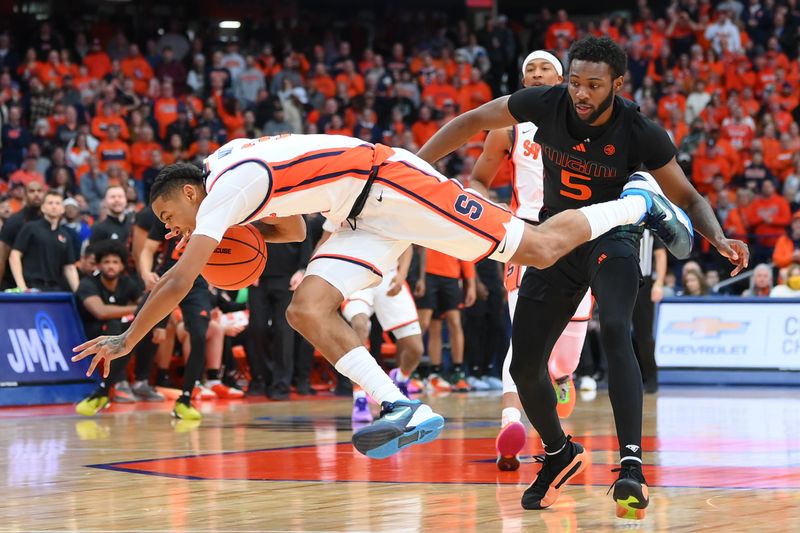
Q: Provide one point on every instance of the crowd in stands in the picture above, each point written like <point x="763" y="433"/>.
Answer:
<point x="92" y="111"/>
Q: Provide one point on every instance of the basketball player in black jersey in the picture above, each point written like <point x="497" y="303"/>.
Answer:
<point x="592" y="141"/>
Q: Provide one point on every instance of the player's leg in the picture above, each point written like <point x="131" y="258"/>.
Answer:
<point x="259" y="307"/>
<point x="196" y="310"/>
<point x="398" y="315"/>
<point x="644" y="343"/>
<point x="436" y="382"/>
<point x="567" y="354"/>
<point x="345" y="263"/>
<point x="145" y="355"/>
<point x="512" y="436"/>
<point x="164" y="353"/>
<point x="215" y="347"/>
<point x="615" y="287"/>
<point x="455" y="331"/>
<point x="357" y="312"/>
<point x="549" y="305"/>
<point x="281" y="343"/>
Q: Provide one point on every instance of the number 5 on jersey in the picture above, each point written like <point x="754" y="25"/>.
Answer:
<point x="573" y="186"/>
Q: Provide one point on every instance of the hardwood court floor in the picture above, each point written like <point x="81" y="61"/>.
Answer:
<point x="724" y="459"/>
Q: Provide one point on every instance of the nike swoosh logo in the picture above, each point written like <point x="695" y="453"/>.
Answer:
<point x="380" y="198"/>
<point x="527" y="131"/>
<point x="502" y="247"/>
<point x="667" y="209"/>
<point x="397" y="414"/>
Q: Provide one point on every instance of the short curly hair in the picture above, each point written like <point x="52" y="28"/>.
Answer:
<point x="174" y="176"/>
<point x="110" y="247"/>
<point x="600" y="50"/>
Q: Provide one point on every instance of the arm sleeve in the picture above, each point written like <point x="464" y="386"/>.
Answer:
<point x="235" y="196"/>
<point x="528" y="105"/>
<point x="654" y="146"/>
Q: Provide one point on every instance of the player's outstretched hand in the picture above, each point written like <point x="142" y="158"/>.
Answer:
<point x="104" y="349"/>
<point x="736" y="252"/>
<point x="181" y="243"/>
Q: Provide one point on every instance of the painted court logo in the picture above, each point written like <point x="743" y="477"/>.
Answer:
<point x="707" y="327"/>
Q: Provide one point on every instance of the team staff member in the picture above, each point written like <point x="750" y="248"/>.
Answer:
<point x="592" y="142"/>
<point x="43" y="257"/>
<point x="117" y="224"/>
<point x="105" y="299"/>
<point x="34" y="195"/>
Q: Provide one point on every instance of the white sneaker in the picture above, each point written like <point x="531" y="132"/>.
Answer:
<point x="587" y="383"/>
<point x="477" y="384"/>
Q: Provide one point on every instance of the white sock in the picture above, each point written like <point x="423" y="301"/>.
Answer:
<point x="402" y="378"/>
<point x="608" y="215"/>
<point x="359" y="365"/>
<point x="212" y="382"/>
<point x="511" y="414"/>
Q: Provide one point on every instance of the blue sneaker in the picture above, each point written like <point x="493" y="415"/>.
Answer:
<point x="401" y="424"/>
<point x="664" y="218"/>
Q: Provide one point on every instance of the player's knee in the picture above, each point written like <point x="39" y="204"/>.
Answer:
<point x="412" y="348"/>
<point x="361" y="325"/>
<point x="615" y="330"/>
<point x="302" y="314"/>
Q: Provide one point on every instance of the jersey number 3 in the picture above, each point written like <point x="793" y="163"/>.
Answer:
<point x="574" y="186"/>
<point x="468" y="207"/>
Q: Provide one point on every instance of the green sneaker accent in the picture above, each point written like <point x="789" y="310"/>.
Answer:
<point x="186" y="412"/>
<point x="91" y="405"/>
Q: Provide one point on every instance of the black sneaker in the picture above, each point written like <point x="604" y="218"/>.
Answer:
<point x="630" y="491"/>
<point x="556" y="471"/>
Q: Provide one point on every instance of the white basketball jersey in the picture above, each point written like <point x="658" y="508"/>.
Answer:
<point x="528" y="173"/>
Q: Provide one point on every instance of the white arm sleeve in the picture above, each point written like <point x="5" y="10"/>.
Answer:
<point x="235" y="195"/>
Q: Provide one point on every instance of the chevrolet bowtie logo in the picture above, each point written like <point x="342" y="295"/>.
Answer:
<point x="707" y="327"/>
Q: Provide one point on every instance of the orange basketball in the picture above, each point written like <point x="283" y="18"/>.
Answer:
<point x="238" y="260"/>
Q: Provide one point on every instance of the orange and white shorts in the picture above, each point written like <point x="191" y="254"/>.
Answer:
<point x="397" y="313"/>
<point x="410" y="202"/>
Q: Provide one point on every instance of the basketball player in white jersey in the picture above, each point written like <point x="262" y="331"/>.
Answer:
<point x="393" y="304"/>
<point x="517" y="144"/>
<point x="390" y="198"/>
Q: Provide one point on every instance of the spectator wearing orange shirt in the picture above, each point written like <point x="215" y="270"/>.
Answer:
<point x="27" y="173"/>
<point x="230" y="113"/>
<point x="768" y="215"/>
<point x="787" y="247"/>
<point x="708" y="162"/>
<point x="97" y="61"/>
<point x="736" y="224"/>
<point x="322" y="81"/>
<point x="475" y="93"/>
<point x="672" y="99"/>
<point x="113" y="151"/>
<point x="136" y="67"/>
<point x="142" y="152"/>
<point x="738" y="129"/>
<point x="440" y="90"/>
<point x="104" y="120"/>
<point x="424" y="128"/>
<point x="352" y="79"/>
<point x="51" y="72"/>
<point x="440" y="296"/>
<point x="562" y="28"/>
<point x="165" y="110"/>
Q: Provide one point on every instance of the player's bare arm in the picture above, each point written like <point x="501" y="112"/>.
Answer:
<point x="492" y="115"/>
<point x="678" y="189"/>
<point x="283" y="229"/>
<point x="496" y="148"/>
<point x="165" y="296"/>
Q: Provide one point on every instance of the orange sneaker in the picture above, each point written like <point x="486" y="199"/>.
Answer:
<point x="438" y="384"/>
<point x="226" y="393"/>
<point x="565" y="394"/>
<point x="510" y="441"/>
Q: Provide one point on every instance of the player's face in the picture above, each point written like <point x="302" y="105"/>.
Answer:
<point x="179" y="209"/>
<point x="111" y="267"/>
<point x="540" y="72"/>
<point x="592" y="90"/>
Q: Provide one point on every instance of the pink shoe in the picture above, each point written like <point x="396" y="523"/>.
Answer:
<point x="510" y="441"/>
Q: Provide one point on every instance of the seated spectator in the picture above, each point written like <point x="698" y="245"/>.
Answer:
<point x="787" y="247"/>
<point x="43" y="256"/>
<point x="760" y="282"/>
<point x="790" y="288"/>
<point x="27" y="173"/>
<point x="755" y="173"/>
<point x="768" y="215"/>
<point x="114" y="151"/>
<point x="15" y="140"/>
<point x="103" y="122"/>
<point x="694" y="283"/>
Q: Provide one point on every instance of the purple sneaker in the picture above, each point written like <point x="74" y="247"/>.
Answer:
<point x="402" y="385"/>
<point x="361" y="412"/>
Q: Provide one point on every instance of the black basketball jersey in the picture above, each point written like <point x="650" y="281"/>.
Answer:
<point x="579" y="172"/>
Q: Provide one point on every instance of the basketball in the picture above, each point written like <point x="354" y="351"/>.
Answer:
<point x="238" y="260"/>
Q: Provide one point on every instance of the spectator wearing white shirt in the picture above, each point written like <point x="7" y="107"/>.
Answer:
<point x="723" y="34"/>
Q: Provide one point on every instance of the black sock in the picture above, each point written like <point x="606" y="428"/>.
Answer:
<point x="436" y="369"/>
<point x="556" y="447"/>
<point x="163" y="376"/>
<point x="185" y="398"/>
<point x="458" y="368"/>
<point x="212" y="374"/>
